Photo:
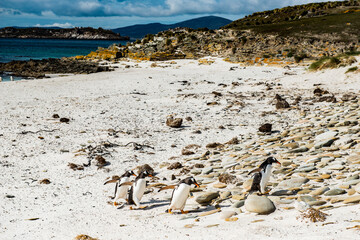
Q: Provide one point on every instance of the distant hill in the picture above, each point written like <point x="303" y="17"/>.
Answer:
<point x="140" y="30"/>
<point x="341" y="18"/>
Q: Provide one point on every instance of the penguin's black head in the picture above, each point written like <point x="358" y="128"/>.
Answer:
<point x="129" y="173"/>
<point x="271" y="160"/>
<point x="190" y="180"/>
<point x="145" y="174"/>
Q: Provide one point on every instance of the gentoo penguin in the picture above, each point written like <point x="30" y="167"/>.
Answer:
<point x="180" y="194"/>
<point x="121" y="190"/>
<point x="262" y="175"/>
<point x="137" y="189"/>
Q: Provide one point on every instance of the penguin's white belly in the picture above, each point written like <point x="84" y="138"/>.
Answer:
<point x="265" y="176"/>
<point x="180" y="196"/>
<point x="122" y="191"/>
<point x="139" y="188"/>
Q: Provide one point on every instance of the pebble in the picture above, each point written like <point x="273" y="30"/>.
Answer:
<point x="219" y="185"/>
<point x="307" y="198"/>
<point x="299" y="150"/>
<point x="292" y="183"/>
<point x="353" y="199"/>
<point x="227" y="214"/>
<point x="207" y="170"/>
<point x="225" y="195"/>
<point x="259" y="204"/>
<point x="282" y="193"/>
<point x="206" y="198"/>
<point x="317" y="203"/>
<point x="325" y="176"/>
<point x="238" y="204"/>
<point x="357" y="188"/>
<point x="319" y="191"/>
<point x="326" y="135"/>
<point x="335" y="191"/>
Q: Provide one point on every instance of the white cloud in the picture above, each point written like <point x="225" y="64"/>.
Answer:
<point x="144" y="8"/>
<point x="61" y="25"/>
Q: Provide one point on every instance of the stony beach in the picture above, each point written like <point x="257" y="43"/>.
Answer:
<point x="63" y="137"/>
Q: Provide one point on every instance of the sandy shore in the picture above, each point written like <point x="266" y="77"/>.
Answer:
<point x="134" y="101"/>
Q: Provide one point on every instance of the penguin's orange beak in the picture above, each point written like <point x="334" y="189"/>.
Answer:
<point x="278" y="162"/>
<point x="151" y="175"/>
<point x="134" y="174"/>
<point x="197" y="185"/>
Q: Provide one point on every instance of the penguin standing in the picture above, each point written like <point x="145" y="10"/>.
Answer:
<point x="180" y="194"/>
<point x="137" y="189"/>
<point x="121" y="190"/>
<point x="262" y="175"/>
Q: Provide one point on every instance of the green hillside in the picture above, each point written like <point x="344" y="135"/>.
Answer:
<point x="309" y="20"/>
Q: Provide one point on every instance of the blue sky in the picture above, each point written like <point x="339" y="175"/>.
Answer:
<point x="120" y="13"/>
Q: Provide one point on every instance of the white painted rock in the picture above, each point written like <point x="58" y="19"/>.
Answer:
<point x="259" y="204"/>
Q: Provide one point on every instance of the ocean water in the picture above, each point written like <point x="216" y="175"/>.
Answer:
<point x="25" y="49"/>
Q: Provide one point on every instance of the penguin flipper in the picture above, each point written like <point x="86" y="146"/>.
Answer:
<point x="116" y="187"/>
<point x="167" y="187"/>
<point x="255" y="170"/>
<point x="111" y="181"/>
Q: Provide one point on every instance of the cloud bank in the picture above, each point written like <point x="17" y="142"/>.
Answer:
<point x="140" y="8"/>
<point x="60" y="25"/>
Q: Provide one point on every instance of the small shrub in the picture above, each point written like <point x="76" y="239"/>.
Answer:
<point x="325" y="62"/>
<point x="352" y="69"/>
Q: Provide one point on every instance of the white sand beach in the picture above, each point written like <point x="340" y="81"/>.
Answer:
<point x="130" y="105"/>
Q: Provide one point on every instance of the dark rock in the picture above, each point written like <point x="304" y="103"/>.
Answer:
<point x="64" y="120"/>
<point x="188" y="119"/>
<point x="319" y="92"/>
<point x="267" y="127"/>
<point x="348" y="97"/>
<point x="101" y="162"/>
<point x="234" y="140"/>
<point x="55" y="115"/>
<point x="199" y="165"/>
<point x="38" y="68"/>
<point x="331" y="99"/>
<point x="213" y="145"/>
<point x="175" y="165"/>
<point x="227" y="178"/>
<point x="174" y="122"/>
<point x="281" y="102"/>
<point x="45" y="181"/>
<point x="147" y="168"/>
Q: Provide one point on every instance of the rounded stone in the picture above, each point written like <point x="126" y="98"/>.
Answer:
<point x="227" y="214"/>
<point x="219" y="185"/>
<point x="206" y="198"/>
<point x="238" y="204"/>
<point x="353" y="199"/>
<point x="335" y="191"/>
<point x="292" y="183"/>
<point x="259" y="204"/>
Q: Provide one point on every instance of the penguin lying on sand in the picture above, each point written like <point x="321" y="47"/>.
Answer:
<point x="137" y="189"/>
<point x="180" y="194"/>
<point x="262" y="175"/>
<point x="121" y="190"/>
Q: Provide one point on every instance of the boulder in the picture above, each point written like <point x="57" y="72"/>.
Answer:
<point x="259" y="204"/>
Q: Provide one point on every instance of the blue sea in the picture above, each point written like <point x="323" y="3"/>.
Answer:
<point x="25" y="49"/>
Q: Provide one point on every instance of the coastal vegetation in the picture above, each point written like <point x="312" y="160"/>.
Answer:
<point x="297" y="34"/>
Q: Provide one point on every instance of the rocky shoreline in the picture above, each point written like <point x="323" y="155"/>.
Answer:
<point x="245" y="47"/>
<point x="71" y="33"/>
<point x="39" y="68"/>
